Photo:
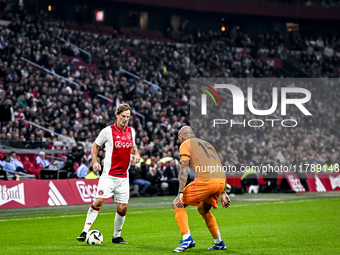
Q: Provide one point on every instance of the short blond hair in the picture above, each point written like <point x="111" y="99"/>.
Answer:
<point x="122" y="108"/>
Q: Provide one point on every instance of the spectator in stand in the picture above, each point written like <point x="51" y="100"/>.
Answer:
<point x="7" y="140"/>
<point x="160" y="178"/>
<point x="140" y="179"/>
<point x="82" y="170"/>
<point x="3" y="174"/>
<point x="32" y="143"/>
<point x="17" y="142"/>
<point x="249" y="178"/>
<point x="76" y="154"/>
<point x="270" y="177"/>
<point x="6" y="109"/>
<point x="7" y="165"/>
<point x="41" y="159"/>
<point x="171" y="174"/>
<point x="14" y="161"/>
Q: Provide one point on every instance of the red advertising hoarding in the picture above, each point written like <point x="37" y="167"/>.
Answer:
<point x="316" y="182"/>
<point x="32" y="193"/>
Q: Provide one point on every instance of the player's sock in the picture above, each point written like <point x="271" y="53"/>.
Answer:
<point x="119" y="222"/>
<point x="187" y="235"/>
<point x="218" y="239"/>
<point x="181" y="217"/>
<point x="90" y="218"/>
<point x="210" y="221"/>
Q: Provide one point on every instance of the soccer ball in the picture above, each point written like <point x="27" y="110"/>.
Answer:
<point x="94" y="237"/>
<point x="228" y="188"/>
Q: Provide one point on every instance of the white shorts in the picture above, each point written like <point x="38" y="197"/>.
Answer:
<point x="109" y="186"/>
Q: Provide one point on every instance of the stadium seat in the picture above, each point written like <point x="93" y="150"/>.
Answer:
<point x="1" y="154"/>
<point x="37" y="170"/>
<point x="19" y="158"/>
<point x="34" y="161"/>
<point x="29" y="167"/>
<point x="39" y="166"/>
<point x="26" y="159"/>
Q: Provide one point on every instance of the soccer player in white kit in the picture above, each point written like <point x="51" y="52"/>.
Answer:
<point x="119" y="141"/>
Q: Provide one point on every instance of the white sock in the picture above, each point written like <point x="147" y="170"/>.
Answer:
<point x="218" y="238"/>
<point x="119" y="222"/>
<point x="90" y="218"/>
<point x="187" y="235"/>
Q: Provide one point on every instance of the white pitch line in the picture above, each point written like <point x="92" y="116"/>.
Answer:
<point x="75" y="215"/>
<point x="148" y="211"/>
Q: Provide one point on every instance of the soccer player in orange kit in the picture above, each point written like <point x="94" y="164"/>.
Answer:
<point x="203" y="192"/>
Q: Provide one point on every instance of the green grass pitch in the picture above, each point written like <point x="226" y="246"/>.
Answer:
<point x="291" y="224"/>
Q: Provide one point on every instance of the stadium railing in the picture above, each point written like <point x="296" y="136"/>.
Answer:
<point x="156" y="87"/>
<point x="50" y="72"/>
<point x="75" y="46"/>
<point x="23" y="176"/>
<point x="50" y="131"/>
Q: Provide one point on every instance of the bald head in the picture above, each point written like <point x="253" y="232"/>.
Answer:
<point x="185" y="133"/>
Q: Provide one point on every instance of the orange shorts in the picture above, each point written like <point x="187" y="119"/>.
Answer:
<point x="204" y="191"/>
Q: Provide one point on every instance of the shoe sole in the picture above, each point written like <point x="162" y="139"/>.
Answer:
<point x="190" y="246"/>
<point x="121" y="242"/>
<point x="80" y="239"/>
<point x="217" y="249"/>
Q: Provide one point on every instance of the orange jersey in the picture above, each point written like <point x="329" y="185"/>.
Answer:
<point x="203" y="158"/>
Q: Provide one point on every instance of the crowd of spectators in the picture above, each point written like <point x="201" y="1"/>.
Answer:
<point x="316" y="56"/>
<point x="75" y="114"/>
<point x="315" y="139"/>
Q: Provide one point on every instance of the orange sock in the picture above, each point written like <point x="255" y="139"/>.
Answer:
<point x="181" y="217"/>
<point x="211" y="223"/>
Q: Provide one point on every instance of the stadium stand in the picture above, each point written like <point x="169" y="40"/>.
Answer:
<point x="52" y="94"/>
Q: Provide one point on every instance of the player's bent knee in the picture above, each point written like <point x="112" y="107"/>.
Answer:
<point x="122" y="208"/>
<point x="99" y="202"/>
<point x="176" y="205"/>
<point x="203" y="208"/>
<point x="173" y="204"/>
